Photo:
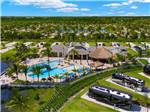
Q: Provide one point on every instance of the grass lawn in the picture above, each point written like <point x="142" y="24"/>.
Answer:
<point x="34" y="104"/>
<point x="78" y="104"/>
<point x="9" y="54"/>
<point x="143" y="61"/>
<point x="132" y="52"/>
<point x="92" y="43"/>
<point x="123" y="43"/>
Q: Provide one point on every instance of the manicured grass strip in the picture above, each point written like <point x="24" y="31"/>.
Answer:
<point x="140" y="98"/>
<point x="9" y="54"/>
<point x="132" y="52"/>
<point x="143" y="61"/>
<point x="78" y="104"/>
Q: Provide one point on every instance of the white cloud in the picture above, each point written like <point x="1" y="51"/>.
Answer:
<point x="46" y="3"/>
<point x="84" y="9"/>
<point x="68" y="9"/>
<point x="59" y="5"/>
<point x="130" y="14"/>
<point x="133" y="7"/>
<point x="112" y="5"/>
<point x="72" y="9"/>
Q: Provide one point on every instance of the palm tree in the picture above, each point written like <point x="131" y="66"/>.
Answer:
<point x="20" y="49"/>
<point x="50" y="79"/>
<point x="37" y="71"/>
<point x="3" y="45"/>
<point x="48" y="53"/>
<point x="66" y="75"/>
<point x="48" y="67"/>
<point x="16" y="69"/>
<point x="9" y="72"/>
<point x="84" y="70"/>
<point x="74" y="52"/>
<point x="24" y="69"/>
<point x="19" y="103"/>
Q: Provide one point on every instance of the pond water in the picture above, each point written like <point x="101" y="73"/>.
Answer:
<point x="3" y="67"/>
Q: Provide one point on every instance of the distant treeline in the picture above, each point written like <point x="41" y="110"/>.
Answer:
<point x="101" y="20"/>
<point x="78" y="28"/>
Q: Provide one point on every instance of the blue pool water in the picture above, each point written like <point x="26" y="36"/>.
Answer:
<point x="52" y="64"/>
<point x="53" y="72"/>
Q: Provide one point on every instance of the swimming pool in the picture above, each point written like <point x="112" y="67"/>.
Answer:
<point x="46" y="73"/>
<point x="52" y="64"/>
<point x="53" y="72"/>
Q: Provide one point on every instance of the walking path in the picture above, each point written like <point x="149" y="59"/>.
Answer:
<point x="28" y="86"/>
<point x="86" y="97"/>
<point x="141" y="93"/>
<point x="144" y="75"/>
<point x="8" y="46"/>
<point x="148" y="59"/>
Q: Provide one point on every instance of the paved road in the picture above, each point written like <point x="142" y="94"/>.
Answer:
<point x="8" y="46"/>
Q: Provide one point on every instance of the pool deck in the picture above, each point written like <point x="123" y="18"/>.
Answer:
<point x="63" y="64"/>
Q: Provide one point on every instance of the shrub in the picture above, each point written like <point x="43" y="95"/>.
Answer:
<point x="36" y="97"/>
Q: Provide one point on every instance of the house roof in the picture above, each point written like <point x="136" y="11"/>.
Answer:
<point x="59" y="48"/>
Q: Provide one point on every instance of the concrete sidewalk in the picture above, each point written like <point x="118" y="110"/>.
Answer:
<point x="144" y="75"/>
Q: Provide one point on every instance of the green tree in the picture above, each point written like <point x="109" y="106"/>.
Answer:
<point x="74" y="52"/>
<point x="16" y="69"/>
<point x="19" y="103"/>
<point x="37" y="71"/>
<point x="120" y="57"/>
<point x="24" y="69"/>
<point x="9" y="72"/>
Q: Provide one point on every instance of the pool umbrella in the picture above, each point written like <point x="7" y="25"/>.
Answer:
<point x="13" y="77"/>
<point x="101" y="53"/>
<point x="50" y="79"/>
<point x="43" y="79"/>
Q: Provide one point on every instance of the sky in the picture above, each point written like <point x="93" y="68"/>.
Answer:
<point x="75" y="7"/>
